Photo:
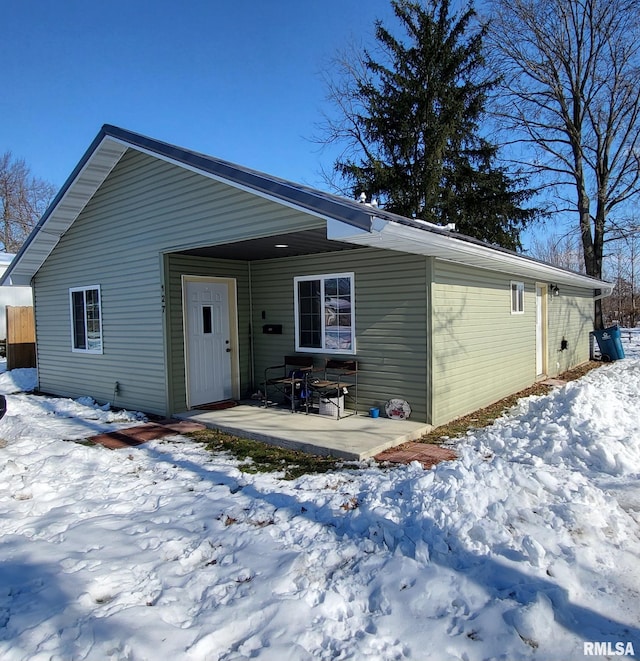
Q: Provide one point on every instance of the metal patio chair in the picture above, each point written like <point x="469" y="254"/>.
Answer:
<point x="340" y="380"/>
<point x="292" y="381"/>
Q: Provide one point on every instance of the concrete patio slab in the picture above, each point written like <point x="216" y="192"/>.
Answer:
<point x="354" y="437"/>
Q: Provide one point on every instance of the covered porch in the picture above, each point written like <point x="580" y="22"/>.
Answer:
<point x="258" y="278"/>
<point x="354" y="437"/>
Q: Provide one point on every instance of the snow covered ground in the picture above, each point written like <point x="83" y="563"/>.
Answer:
<point x="527" y="547"/>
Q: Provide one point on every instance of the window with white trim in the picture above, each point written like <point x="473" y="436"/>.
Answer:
<point x="517" y="297"/>
<point x="86" y="319"/>
<point x="325" y="313"/>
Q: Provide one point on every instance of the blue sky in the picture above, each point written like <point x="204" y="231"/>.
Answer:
<point x="237" y="79"/>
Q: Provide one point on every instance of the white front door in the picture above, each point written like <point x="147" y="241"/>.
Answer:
<point x="541" y="330"/>
<point x="208" y="341"/>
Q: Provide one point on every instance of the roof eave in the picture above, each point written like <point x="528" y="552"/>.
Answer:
<point x="92" y="169"/>
<point x="104" y="153"/>
<point x="404" y="238"/>
<point x="347" y="220"/>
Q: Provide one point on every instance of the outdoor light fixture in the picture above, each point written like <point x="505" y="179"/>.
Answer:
<point x="553" y="290"/>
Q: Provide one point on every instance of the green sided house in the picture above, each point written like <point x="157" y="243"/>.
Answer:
<point x="167" y="279"/>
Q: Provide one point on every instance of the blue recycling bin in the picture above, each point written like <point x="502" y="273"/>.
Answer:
<point x="610" y="343"/>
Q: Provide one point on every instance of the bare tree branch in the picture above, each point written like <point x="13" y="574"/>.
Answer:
<point x="570" y="72"/>
<point x="23" y="199"/>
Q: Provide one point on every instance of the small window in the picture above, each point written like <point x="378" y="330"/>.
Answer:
<point x="86" y="319"/>
<point x="325" y="313"/>
<point x="517" y="297"/>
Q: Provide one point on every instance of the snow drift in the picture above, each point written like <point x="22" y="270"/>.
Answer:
<point x="525" y="547"/>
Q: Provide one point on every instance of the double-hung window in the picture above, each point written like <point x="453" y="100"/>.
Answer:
<point x="325" y="313"/>
<point x="86" y="319"/>
<point x="517" y="297"/>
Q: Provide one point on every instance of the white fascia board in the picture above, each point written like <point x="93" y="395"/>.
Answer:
<point x="395" y="236"/>
<point x="339" y="231"/>
<point x="17" y="280"/>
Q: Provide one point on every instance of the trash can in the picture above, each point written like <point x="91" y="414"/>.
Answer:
<point x="610" y="343"/>
<point x="332" y="406"/>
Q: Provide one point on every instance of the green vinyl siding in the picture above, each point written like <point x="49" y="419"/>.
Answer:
<point x="571" y="318"/>
<point x="481" y="352"/>
<point x="390" y="318"/>
<point x="144" y="209"/>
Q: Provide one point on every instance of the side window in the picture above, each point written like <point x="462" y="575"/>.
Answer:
<point x="325" y="313"/>
<point x="517" y="297"/>
<point x="86" y="319"/>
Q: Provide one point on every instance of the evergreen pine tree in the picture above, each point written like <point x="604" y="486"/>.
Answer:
<point x="417" y="127"/>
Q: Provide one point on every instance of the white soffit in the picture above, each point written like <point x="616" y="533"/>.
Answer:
<point x="403" y="238"/>
<point x="67" y="209"/>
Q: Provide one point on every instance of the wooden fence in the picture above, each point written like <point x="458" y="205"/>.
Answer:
<point x="21" y="337"/>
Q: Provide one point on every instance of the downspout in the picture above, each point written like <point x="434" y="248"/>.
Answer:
<point x="251" y="350"/>
<point x="429" y="403"/>
<point x="35" y="328"/>
<point x="600" y="296"/>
